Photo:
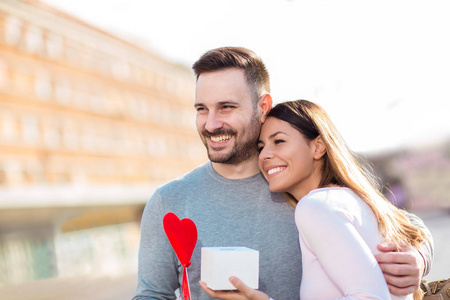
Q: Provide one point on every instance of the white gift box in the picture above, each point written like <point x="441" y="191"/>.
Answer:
<point x="218" y="264"/>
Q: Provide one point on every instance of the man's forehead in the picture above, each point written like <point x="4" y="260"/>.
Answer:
<point x="217" y="99"/>
<point x="218" y="87"/>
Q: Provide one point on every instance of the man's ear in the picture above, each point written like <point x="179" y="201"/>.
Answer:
<point x="265" y="103"/>
<point x="319" y="147"/>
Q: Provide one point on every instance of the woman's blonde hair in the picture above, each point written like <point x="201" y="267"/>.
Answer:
<point x="344" y="168"/>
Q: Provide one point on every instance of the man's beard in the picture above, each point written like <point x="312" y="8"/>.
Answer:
<point x="242" y="150"/>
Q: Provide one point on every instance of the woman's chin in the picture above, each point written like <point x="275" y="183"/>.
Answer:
<point x="276" y="189"/>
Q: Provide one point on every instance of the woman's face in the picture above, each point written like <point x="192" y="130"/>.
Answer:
<point x="287" y="159"/>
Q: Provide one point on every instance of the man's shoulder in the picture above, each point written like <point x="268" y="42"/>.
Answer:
<point x="190" y="179"/>
<point x="179" y="189"/>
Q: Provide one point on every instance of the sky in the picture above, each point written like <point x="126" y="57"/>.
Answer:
<point x="381" y="69"/>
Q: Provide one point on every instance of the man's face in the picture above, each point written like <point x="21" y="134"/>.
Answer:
<point x="227" y="121"/>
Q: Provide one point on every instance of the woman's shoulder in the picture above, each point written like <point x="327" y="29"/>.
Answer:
<point x="329" y="195"/>
<point x="326" y="201"/>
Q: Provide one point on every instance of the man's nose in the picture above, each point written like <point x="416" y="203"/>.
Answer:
<point x="213" y="122"/>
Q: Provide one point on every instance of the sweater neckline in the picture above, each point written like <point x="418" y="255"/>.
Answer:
<point x="246" y="180"/>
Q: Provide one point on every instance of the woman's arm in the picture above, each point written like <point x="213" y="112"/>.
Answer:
<point x="330" y="233"/>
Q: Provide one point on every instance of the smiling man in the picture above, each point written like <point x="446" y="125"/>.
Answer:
<point x="229" y="117"/>
<point x="227" y="197"/>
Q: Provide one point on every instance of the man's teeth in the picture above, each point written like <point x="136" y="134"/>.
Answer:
<point x="219" y="139"/>
<point x="274" y="170"/>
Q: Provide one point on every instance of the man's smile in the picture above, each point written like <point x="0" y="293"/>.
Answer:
<point x="220" y="138"/>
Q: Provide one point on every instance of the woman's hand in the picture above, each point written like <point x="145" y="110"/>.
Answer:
<point x="243" y="292"/>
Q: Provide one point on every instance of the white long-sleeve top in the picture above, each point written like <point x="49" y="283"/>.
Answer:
<point x="338" y="238"/>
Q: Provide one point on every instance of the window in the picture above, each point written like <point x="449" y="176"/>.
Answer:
<point x="43" y="86"/>
<point x="54" y="44"/>
<point x="13" y="30"/>
<point x="63" y="91"/>
<point x="30" y="130"/>
<point x="34" y="39"/>
<point x="52" y="135"/>
<point x="8" y="124"/>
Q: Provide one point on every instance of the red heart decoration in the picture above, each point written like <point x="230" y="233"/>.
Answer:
<point x="182" y="236"/>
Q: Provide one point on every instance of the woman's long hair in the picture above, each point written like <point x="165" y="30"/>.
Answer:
<point x="342" y="167"/>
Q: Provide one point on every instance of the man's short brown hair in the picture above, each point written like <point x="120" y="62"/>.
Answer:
<point x="236" y="57"/>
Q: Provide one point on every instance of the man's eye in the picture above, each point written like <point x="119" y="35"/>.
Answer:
<point x="227" y="107"/>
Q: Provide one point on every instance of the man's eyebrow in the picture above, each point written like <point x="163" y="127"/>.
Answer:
<point x="228" y="102"/>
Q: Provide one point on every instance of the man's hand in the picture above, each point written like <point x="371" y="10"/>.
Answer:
<point x="243" y="292"/>
<point x="402" y="268"/>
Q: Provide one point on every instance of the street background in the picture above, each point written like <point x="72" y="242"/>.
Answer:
<point x="96" y="111"/>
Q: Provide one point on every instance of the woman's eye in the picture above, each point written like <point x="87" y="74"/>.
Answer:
<point x="260" y="148"/>
<point x="278" y="141"/>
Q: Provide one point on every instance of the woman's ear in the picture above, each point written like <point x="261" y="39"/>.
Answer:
<point x="319" y="147"/>
<point x="265" y="103"/>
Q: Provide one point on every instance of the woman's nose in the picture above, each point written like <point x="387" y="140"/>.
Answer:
<point x="265" y="154"/>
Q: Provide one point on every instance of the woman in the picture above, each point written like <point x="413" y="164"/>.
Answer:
<point x="341" y="214"/>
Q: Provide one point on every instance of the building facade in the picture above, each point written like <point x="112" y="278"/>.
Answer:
<point x="90" y="125"/>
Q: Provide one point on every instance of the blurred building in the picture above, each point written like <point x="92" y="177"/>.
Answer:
<point x="90" y="125"/>
<point x="417" y="178"/>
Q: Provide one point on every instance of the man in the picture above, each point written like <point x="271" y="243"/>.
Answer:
<point x="228" y="198"/>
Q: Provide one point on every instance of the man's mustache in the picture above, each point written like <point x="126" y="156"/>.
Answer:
<point x="218" y="132"/>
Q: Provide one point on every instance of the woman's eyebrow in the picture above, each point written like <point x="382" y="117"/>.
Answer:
<point x="275" y="134"/>
<point x="272" y="136"/>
